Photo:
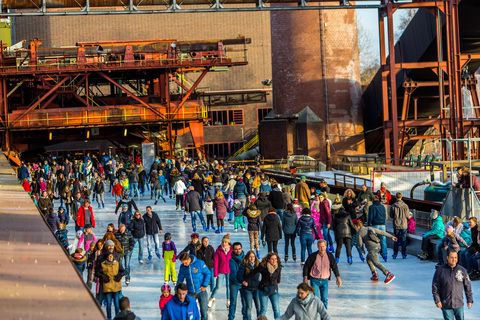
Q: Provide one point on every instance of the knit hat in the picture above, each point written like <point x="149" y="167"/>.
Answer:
<point x="303" y="178"/>
<point x="194" y="235"/>
<point x="109" y="243"/>
<point x="450" y="229"/>
<point x="166" y="287"/>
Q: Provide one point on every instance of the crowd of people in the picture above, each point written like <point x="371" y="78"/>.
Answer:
<point x="214" y="195"/>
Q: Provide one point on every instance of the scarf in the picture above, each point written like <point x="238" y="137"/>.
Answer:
<point x="305" y="301"/>
<point x="271" y="269"/>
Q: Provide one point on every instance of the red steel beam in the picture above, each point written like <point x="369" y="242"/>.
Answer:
<point x="45" y="96"/>
<point x="179" y="83"/>
<point x="131" y="95"/>
<point x="190" y="91"/>
<point x="393" y="84"/>
<point x="385" y="103"/>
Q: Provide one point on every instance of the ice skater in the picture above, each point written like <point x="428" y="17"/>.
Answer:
<point x="369" y="236"/>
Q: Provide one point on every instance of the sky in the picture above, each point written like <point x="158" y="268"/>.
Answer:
<point x="368" y="19"/>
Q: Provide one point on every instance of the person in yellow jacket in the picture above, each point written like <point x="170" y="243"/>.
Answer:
<point x="111" y="274"/>
<point x="169" y="253"/>
<point x="257" y="180"/>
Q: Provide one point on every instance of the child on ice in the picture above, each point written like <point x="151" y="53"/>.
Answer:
<point x="169" y="254"/>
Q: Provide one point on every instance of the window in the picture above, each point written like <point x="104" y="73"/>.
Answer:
<point x="222" y="150"/>
<point x="262" y="113"/>
<point x="225" y="117"/>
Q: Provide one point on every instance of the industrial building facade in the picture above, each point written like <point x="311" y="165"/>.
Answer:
<point x="314" y="66"/>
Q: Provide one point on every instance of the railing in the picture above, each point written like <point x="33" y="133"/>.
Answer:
<point x="346" y="180"/>
<point x="62" y="64"/>
<point x="108" y="115"/>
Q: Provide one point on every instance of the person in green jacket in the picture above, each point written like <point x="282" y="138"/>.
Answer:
<point x="437" y="232"/>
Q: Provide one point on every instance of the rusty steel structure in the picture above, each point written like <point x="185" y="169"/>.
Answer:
<point x="447" y="71"/>
<point x="110" y="84"/>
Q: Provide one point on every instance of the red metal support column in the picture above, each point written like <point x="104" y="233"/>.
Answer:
<point x="383" y="68"/>
<point x="441" y="78"/>
<point x="87" y="90"/>
<point x="393" y="84"/>
<point x="5" y="112"/>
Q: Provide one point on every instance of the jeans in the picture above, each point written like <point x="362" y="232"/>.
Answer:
<point x="247" y="297"/>
<point x="100" y="199"/>
<point x="401" y="235"/>
<point x="140" y="247"/>
<point x="153" y="238"/>
<point x="320" y="289"/>
<point x="306" y="241"/>
<point x="383" y="240"/>
<point x="453" y="314"/>
<point x="197" y="214"/>
<point x="290" y="238"/>
<point x="202" y="298"/>
<point x="112" y="297"/>
<point x="280" y="213"/>
<point x="212" y="283"/>
<point x="221" y="276"/>
<point x="326" y="235"/>
<point x="441" y="254"/>
<point x="234" y="289"/>
<point x="126" y="263"/>
<point x="274" y="299"/>
<point x="134" y="192"/>
<point x="465" y="257"/>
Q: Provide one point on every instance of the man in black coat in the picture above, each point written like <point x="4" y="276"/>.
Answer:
<point x="193" y="205"/>
<point x="206" y="253"/>
<point x="152" y="227"/>
<point x="127" y="242"/>
<point x="271" y="230"/>
<point x="276" y="199"/>
<point x="449" y="283"/>
<point x="315" y="270"/>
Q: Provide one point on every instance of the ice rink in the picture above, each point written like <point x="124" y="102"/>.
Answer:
<point x="407" y="297"/>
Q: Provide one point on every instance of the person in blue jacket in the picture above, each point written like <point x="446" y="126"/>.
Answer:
<point x="197" y="275"/>
<point x="182" y="306"/>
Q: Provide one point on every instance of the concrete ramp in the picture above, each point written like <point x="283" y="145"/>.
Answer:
<point x="37" y="279"/>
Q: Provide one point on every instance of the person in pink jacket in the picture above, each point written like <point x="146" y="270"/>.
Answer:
<point x="86" y="238"/>
<point x="220" y="205"/>
<point x="326" y="220"/>
<point x="221" y="268"/>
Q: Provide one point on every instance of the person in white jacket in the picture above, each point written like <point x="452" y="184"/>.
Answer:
<point x="179" y="188"/>
<point x="305" y="306"/>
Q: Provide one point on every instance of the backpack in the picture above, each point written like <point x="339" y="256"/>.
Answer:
<point x="372" y="236"/>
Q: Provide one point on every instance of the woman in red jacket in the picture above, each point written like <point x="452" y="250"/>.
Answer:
<point x="85" y="216"/>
